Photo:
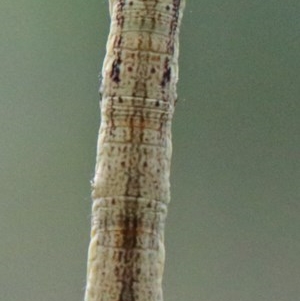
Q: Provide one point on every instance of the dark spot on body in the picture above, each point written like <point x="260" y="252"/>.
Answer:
<point x="166" y="77"/>
<point x="167" y="73"/>
<point x="115" y="70"/>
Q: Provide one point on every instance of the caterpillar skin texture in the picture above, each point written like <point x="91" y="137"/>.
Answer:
<point x="131" y="188"/>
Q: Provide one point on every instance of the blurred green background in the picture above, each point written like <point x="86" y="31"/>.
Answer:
<point x="233" y="230"/>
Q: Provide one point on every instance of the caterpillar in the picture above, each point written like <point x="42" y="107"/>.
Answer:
<point x="131" y="187"/>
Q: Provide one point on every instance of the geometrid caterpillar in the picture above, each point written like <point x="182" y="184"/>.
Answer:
<point x="131" y="188"/>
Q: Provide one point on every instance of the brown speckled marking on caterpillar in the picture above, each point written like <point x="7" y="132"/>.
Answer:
<point x="131" y="187"/>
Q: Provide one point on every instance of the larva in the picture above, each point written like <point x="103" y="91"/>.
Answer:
<point x="131" y="188"/>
